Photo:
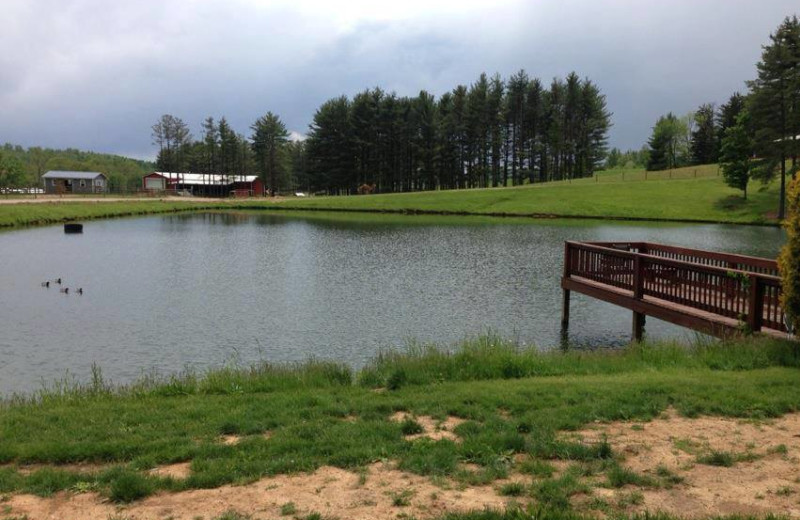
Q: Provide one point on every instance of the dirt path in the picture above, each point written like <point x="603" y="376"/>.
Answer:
<point x="764" y="477"/>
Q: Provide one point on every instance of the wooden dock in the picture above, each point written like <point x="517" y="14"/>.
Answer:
<point x="715" y="293"/>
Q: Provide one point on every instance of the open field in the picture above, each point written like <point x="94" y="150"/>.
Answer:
<point x="687" y="194"/>
<point x="684" y="197"/>
<point x="421" y="434"/>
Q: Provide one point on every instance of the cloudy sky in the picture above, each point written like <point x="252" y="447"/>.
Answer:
<point x="96" y="74"/>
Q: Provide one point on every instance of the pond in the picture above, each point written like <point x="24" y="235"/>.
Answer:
<point x="166" y="293"/>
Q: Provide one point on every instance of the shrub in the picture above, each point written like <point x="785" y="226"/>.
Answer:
<point x="789" y="260"/>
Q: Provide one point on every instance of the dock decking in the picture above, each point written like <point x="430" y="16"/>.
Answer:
<point x="715" y="293"/>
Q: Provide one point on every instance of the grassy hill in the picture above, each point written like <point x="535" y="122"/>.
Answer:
<point x="693" y="193"/>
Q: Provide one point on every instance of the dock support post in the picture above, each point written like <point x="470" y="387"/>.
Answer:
<point x="565" y="292"/>
<point x="565" y="309"/>
<point x="638" y="292"/>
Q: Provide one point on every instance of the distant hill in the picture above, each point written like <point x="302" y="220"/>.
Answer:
<point x="123" y="172"/>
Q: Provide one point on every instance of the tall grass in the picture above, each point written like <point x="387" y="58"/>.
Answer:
<point x="492" y="357"/>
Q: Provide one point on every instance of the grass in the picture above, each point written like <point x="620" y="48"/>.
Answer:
<point x="676" y="195"/>
<point x="13" y="215"/>
<point x="514" y="403"/>
<point x="705" y="198"/>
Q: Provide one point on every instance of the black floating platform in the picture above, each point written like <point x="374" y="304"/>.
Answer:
<point x="73" y="227"/>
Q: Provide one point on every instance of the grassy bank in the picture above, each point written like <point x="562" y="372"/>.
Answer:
<point x="683" y="197"/>
<point x="297" y="418"/>
<point x="689" y="194"/>
<point x="13" y="215"/>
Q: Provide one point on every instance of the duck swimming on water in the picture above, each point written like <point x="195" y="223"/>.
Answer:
<point x="46" y="284"/>
<point x="80" y="290"/>
<point x="65" y="290"/>
<point x="58" y="281"/>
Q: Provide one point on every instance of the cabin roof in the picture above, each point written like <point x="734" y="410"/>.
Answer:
<point x="65" y="174"/>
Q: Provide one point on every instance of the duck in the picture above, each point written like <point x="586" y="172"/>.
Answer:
<point x="58" y="281"/>
<point x="80" y="290"/>
<point x="46" y="284"/>
<point x="65" y="290"/>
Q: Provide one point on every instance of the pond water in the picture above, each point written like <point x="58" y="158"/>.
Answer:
<point x="165" y="293"/>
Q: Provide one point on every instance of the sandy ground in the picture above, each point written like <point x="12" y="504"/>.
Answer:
<point x="768" y="483"/>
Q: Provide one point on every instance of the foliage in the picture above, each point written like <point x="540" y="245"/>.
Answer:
<point x="669" y="143"/>
<point x="773" y="102"/>
<point x="789" y="260"/>
<point x="268" y="142"/>
<point x="627" y="160"/>
<point x="492" y="133"/>
<point x="11" y="174"/>
<point x="703" y="145"/>
<point x="735" y="158"/>
<point x="123" y="172"/>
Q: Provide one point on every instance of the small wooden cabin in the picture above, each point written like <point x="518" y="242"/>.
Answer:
<point x="58" y="181"/>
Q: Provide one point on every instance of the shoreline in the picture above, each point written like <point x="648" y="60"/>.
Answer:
<point x="120" y="207"/>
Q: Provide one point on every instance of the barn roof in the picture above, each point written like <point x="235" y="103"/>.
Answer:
<point x="64" y="174"/>
<point x="214" y="179"/>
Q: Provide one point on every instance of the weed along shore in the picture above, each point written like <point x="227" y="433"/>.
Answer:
<point x="483" y="430"/>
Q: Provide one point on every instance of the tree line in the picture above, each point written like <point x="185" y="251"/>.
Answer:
<point x="23" y="167"/>
<point x="754" y="135"/>
<point x="492" y="133"/>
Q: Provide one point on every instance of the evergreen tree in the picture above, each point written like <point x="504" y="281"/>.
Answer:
<point x="703" y="145"/>
<point x="268" y="141"/>
<point x="774" y="104"/>
<point x="735" y="156"/>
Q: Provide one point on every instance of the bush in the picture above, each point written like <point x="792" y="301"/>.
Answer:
<point x="789" y="260"/>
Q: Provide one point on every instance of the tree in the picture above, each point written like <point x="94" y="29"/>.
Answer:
<point x="268" y="141"/>
<point x="668" y="143"/>
<point x="735" y="156"/>
<point x="774" y="104"/>
<point x="703" y="144"/>
<point x="12" y="174"/>
<point x="173" y="138"/>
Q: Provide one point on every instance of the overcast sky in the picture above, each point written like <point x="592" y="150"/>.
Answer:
<point x="96" y="74"/>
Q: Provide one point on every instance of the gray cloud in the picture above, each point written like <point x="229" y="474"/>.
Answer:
<point x="95" y="75"/>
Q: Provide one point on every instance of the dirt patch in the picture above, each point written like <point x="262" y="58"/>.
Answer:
<point x="431" y="428"/>
<point x="180" y="470"/>
<point x="230" y="440"/>
<point x="380" y="493"/>
<point x="764" y="478"/>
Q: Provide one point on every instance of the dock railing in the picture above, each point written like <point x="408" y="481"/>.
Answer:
<point x="738" y="287"/>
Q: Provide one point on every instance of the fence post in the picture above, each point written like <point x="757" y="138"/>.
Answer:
<point x="755" y="304"/>
<point x="638" y="292"/>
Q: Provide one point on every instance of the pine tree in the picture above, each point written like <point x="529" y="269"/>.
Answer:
<point x="775" y="105"/>
<point x="268" y="141"/>
<point x="703" y="144"/>
<point x="735" y="156"/>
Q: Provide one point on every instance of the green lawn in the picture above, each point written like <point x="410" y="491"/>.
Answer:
<point x="687" y="194"/>
<point x="684" y="197"/>
<point x="514" y="402"/>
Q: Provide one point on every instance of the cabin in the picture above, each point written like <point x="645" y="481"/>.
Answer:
<point x="58" y="181"/>
<point x="204" y="184"/>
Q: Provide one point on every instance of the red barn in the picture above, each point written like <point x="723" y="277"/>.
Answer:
<point x="204" y="184"/>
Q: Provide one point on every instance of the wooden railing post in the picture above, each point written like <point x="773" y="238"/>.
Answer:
<point x="755" y="304"/>
<point x="638" y="292"/>
<point x="565" y="292"/>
